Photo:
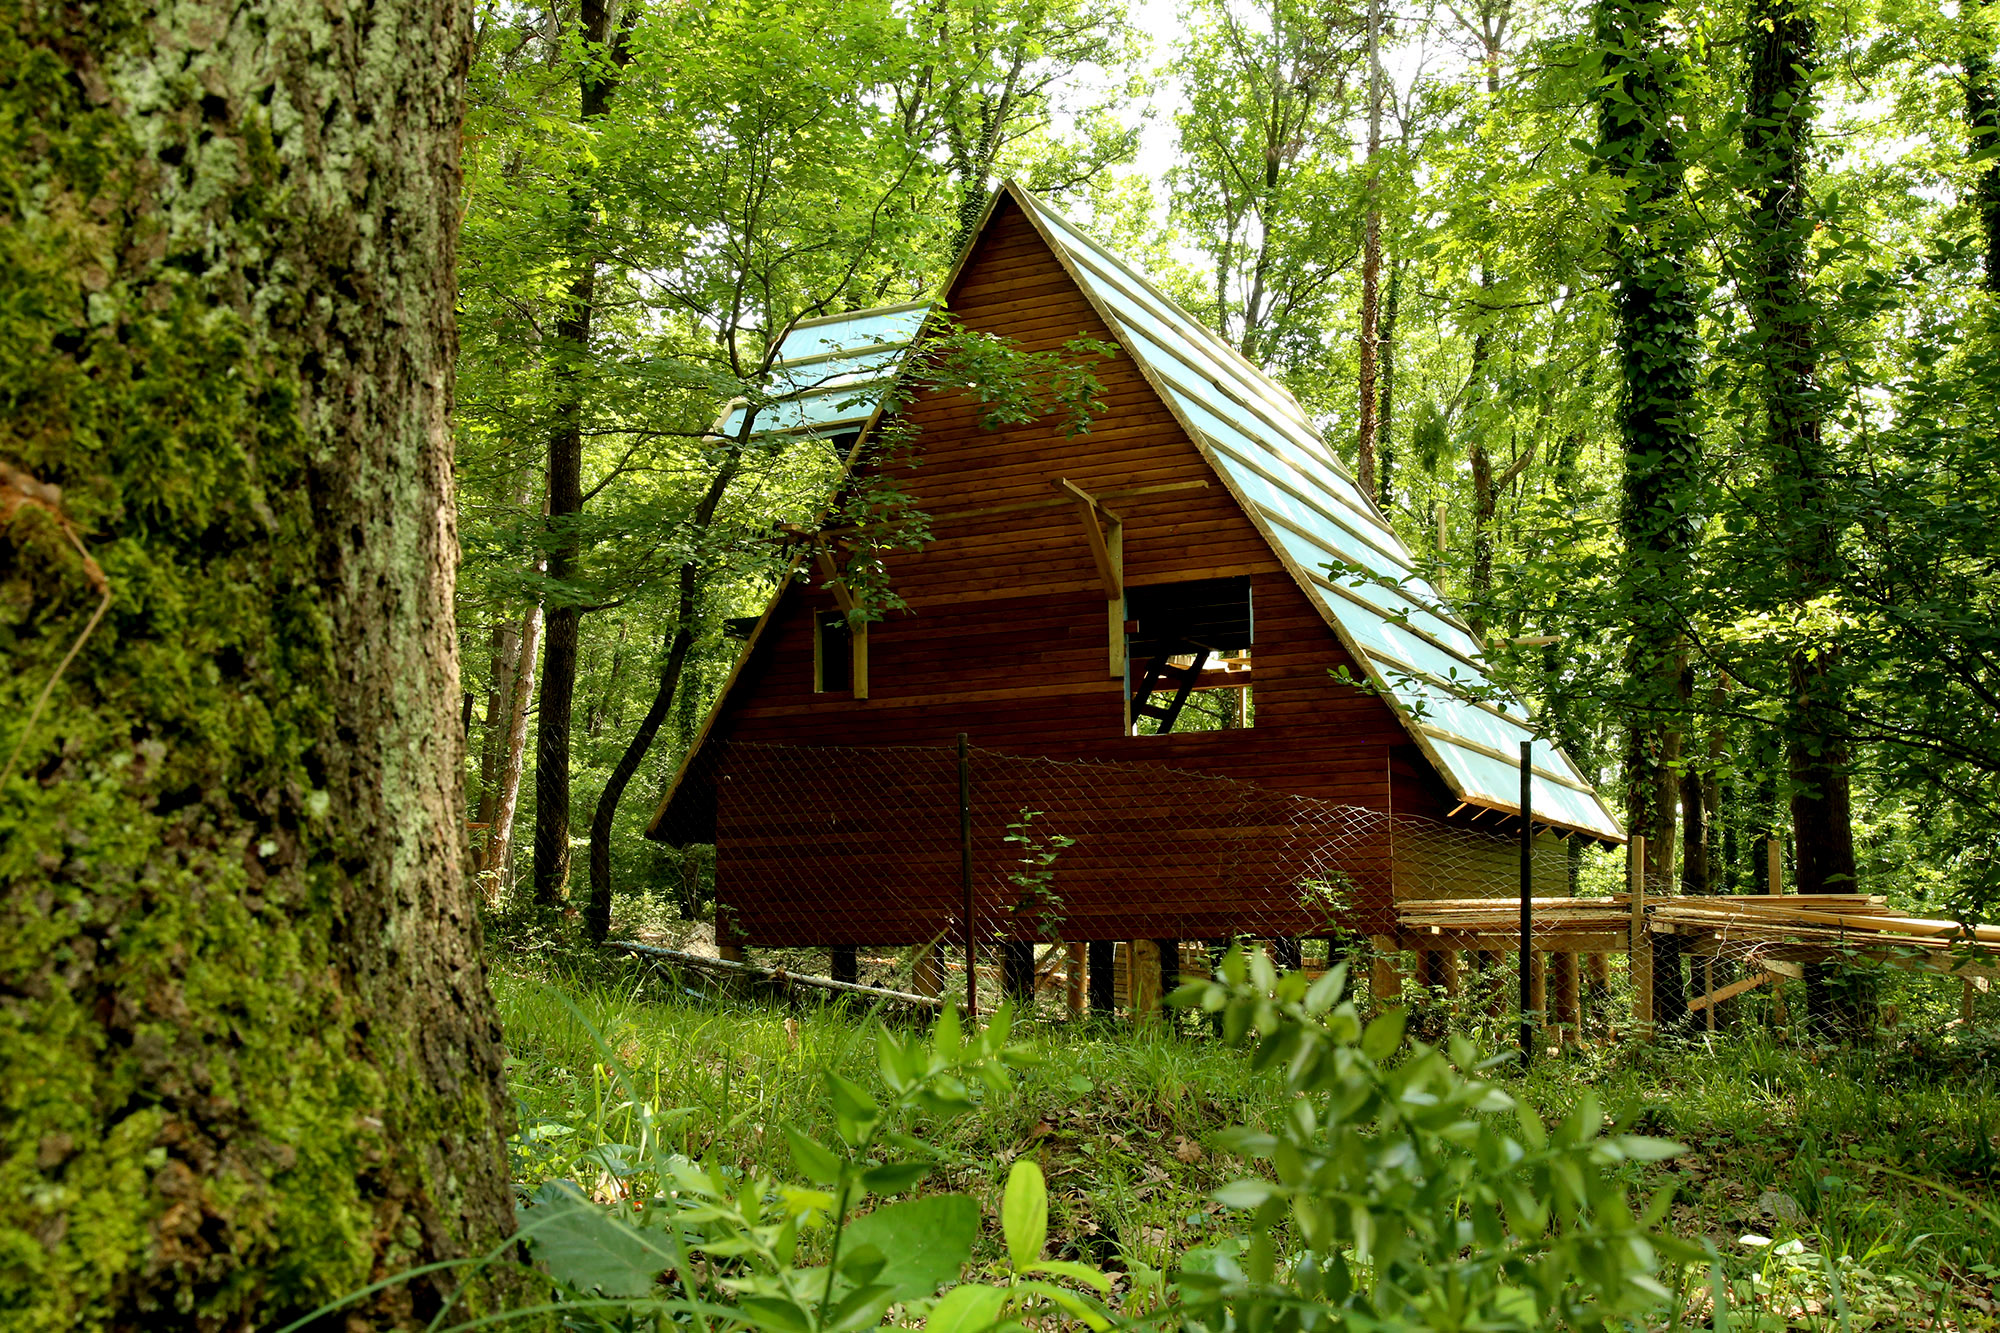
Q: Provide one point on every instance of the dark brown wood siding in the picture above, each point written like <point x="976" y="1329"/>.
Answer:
<point x="1005" y="639"/>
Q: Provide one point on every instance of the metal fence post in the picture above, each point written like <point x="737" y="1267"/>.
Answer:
<point x="965" y="874"/>
<point x="1527" y="903"/>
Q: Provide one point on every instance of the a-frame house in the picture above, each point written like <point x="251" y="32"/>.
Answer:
<point x="1200" y="543"/>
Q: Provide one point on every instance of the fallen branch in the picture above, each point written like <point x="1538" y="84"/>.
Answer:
<point x="777" y="974"/>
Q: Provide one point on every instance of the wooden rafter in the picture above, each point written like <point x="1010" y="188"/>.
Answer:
<point x="1090" y="511"/>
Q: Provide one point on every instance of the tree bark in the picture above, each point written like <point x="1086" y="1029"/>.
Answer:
<point x="514" y="755"/>
<point x="506" y="665"/>
<point x="604" y="59"/>
<point x="251" y="1059"/>
<point x="1385" y="421"/>
<point x="1371" y="264"/>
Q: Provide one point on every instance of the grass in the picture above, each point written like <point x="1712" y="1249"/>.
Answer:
<point x="1873" y="1178"/>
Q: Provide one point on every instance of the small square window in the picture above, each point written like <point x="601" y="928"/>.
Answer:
<point x="1188" y="656"/>
<point x="833" y="654"/>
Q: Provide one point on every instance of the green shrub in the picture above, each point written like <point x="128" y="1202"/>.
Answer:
<point x="1411" y="1193"/>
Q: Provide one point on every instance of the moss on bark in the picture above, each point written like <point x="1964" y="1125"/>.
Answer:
<point x="251" y="1061"/>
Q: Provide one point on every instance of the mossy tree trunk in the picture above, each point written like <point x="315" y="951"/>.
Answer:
<point x="251" y="1061"/>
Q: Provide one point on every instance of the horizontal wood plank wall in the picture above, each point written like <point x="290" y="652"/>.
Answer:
<point x="1005" y="640"/>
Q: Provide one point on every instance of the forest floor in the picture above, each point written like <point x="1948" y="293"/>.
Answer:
<point x="1843" y="1189"/>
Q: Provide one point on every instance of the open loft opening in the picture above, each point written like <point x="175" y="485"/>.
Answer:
<point x="1188" y="655"/>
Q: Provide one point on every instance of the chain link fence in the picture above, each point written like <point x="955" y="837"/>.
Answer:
<point x="1095" y="886"/>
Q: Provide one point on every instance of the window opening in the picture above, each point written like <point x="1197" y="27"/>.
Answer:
<point x="833" y="653"/>
<point x="1194" y="641"/>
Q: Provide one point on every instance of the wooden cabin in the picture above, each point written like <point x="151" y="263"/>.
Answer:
<point x="1118" y="620"/>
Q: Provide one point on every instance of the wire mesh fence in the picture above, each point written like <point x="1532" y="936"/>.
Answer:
<point x="1077" y="886"/>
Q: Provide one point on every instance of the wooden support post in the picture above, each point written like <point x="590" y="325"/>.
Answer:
<point x="1569" y="997"/>
<point x="1538" y="991"/>
<point x="1076" y="977"/>
<point x="1103" y="976"/>
<point x="1774" y="865"/>
<point x="926" y="970"/>
<point x="844" y="964"/>
<point x="1640" y="957"/>
<point x="736" y="986"/>
<point x="1707" y="987"/>
<point x="1489" y="965"/>
<point x="1114" y="604"/>
<point x="1017" y="972"/>
<point x="1965" y="1005"/>
<point x="1286" y="955"/>
<point x="1385" y="982"/>
<point x="1598" y="979"/>
<point x="1104" y="532"/>
<point x="1142" y="979"/>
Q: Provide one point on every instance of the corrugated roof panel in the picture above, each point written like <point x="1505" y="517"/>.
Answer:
<point x="861" y="328"/>
<point x="844" y="406"/>
<point x="1263" y="442"/>
<point x="1494" y="782"/>
<point x="831" y="374"/>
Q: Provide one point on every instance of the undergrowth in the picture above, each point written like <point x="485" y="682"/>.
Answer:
<point x="1835" y="1190"/>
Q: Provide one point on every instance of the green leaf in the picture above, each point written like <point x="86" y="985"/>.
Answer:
<point x="859" y="1309"/>
<point x="927" y="1240"/>
<point x="814" y="1161"/>
<point x="966" y="1309"/>
<point x="585" y="1247"/>
<point x="1083" y="1273"/>
<point x="776" y="1315"/>
<point x="1024" y="1214"/>
<point x="1246" y="1193"/>
<point x="1384" y="1035"/>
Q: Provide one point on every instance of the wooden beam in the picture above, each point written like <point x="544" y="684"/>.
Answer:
<point x="1114" y="608"/>
<point x="1143" y="980"/>
<point x="1089" y="510"/>
<point x="829" y="572"/>
<point x="1640" y="942"/>
<point x="788" y="532"/>
<point x="1385" y="980"/>
<point x="1730" y="992"/>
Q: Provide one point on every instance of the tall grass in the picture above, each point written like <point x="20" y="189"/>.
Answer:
<point x="1883" y="1166"/>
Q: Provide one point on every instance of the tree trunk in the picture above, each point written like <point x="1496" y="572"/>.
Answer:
<point x="251" y="1059"/>
<point x="1371" y="263"/>
<point x="602" y="63"/>
<point x="506" y="665"/>
<point x="514" y="756"/>
<point x="1385" y="421"/>
<point x="597" y="917"/>
<point x="1657" y="341"/>
<point x="1777" y="131"/>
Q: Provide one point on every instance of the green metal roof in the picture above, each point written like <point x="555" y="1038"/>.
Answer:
<point x="1340" y="549"/>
